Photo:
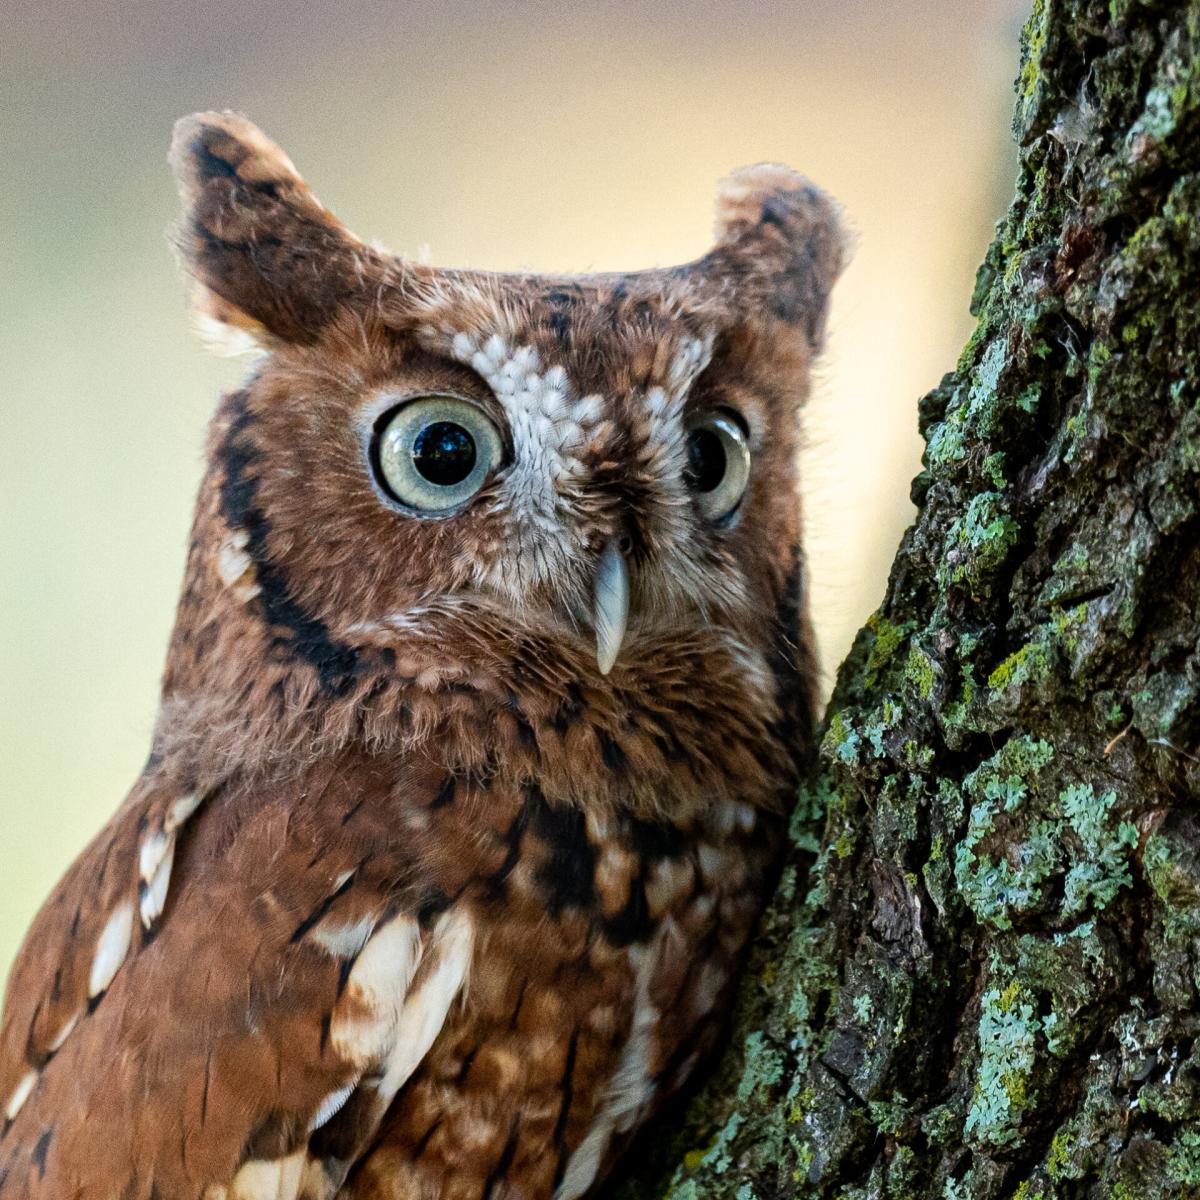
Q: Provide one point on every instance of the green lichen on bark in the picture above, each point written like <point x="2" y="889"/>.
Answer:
<point x="981" y="976"/>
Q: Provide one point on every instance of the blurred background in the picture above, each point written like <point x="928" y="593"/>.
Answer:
<point x="518" y="135"/>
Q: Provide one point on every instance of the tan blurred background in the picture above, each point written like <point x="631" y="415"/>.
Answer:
<point x="548" y="136"/>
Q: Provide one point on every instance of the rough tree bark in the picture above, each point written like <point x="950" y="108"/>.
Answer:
<point x="980" y="976"/>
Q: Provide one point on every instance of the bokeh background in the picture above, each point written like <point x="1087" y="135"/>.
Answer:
<point x="505" y="135"/>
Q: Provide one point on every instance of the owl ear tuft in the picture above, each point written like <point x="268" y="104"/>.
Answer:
<point x="270" y="264"/>
<point x="780" y="246"/>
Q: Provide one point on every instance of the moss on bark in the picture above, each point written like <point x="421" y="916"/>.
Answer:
<point x="980" y="975"/>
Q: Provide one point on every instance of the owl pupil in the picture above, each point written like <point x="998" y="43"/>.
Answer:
<point x="444" y="453"/>
<point x="706" y="460"/>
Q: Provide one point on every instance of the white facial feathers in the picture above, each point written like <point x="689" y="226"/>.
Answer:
<point x="549" y="423"/>
<point x="665" y="405"/>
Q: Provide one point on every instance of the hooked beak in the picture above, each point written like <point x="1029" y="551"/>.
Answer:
<point x="610" y="606"/>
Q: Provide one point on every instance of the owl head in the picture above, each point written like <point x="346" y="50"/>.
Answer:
<point x="599" y="461"/>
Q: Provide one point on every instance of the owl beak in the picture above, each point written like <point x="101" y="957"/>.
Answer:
<point x="610" y="609"/>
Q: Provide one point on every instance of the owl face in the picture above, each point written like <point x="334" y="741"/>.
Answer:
<point x="598" y="459"/>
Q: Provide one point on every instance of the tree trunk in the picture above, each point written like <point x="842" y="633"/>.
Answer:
<point x="980" y="975"/>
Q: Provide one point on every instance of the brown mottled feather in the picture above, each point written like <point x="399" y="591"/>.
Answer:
<point x="412" y="900"/>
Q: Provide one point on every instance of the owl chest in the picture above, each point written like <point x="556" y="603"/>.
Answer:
<point x="604" y="959"/>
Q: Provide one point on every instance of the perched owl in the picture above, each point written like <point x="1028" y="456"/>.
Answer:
<point x="480" y="723"/>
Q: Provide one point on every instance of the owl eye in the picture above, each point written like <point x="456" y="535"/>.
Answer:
<point x="718" y="467"/>
<point x="432" y="454"/>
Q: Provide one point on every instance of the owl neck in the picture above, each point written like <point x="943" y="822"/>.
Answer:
<point x="684" y="719"/>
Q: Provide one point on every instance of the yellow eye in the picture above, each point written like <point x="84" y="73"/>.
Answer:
<point x="432" y="454"/>
<point x="718" y="467"/>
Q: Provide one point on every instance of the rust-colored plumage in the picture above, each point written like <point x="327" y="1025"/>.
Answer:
<point x="471" y="772"/>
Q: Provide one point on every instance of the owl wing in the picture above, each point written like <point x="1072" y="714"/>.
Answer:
<point x="224" y="993"/>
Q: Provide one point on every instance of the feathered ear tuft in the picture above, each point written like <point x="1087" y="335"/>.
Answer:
<point x="780" y="246"/>
<point x="270" y="264"/>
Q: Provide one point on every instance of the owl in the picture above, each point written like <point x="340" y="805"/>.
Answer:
<point x="481" y="719"/>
